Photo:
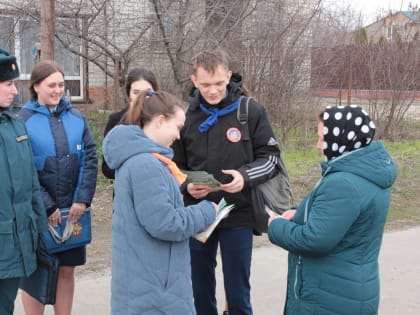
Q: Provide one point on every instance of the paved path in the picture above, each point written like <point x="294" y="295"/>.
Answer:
<point x="400" y="280"/>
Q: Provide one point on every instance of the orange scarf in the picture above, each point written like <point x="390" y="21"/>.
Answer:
<point x="175" y="171"/>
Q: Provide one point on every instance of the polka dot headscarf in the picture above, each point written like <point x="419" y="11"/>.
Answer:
<point x="346" y="128"/>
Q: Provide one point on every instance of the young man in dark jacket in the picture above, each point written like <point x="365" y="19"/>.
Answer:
<point x="211" y="140"/>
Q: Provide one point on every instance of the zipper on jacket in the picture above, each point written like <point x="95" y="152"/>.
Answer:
<point x="298" y="278"/>
<point x="168" y="272"/>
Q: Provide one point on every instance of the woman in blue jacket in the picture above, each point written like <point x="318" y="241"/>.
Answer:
<point x="335" y="234"/>
<point x="65" y="157"/>
<point x="151" y="227"/>
<point x="22" y="214"/>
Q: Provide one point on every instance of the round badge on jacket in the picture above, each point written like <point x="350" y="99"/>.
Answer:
<point x="233" y="135"/>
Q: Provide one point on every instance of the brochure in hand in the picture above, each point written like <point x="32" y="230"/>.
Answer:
<point x="202" y="178"/>
<point x="224" y="210"/>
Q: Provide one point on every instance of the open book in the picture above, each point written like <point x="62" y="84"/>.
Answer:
<point x="224" y="210"/>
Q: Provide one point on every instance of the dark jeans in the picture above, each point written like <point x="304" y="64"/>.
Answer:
<point x="8" y="291"/>
<point x="236" y="253"/>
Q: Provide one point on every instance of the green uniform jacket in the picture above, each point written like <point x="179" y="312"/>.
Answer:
<point x="333" y="258"/>
<point x="22" y="213"/>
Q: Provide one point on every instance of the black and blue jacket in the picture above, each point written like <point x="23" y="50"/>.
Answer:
<point x="64" y="153"/>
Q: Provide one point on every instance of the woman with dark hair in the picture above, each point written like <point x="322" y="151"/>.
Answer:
<point x="335" y="234"/>
<point x="22" y="213"/>
<point x="65" y="157"/>
<point x="138" y="79"/>
<point x="151" y="227"/>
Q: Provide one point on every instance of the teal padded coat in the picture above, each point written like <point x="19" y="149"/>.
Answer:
<point x="333" y="257"/>
<point x="22" y="212"/>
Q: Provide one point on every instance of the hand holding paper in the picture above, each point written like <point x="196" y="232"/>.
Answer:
<point x="271" y="213"/>
<point x="202" y="178"/>
<point x="224" y="210"/>
<point x="288" y="215"/>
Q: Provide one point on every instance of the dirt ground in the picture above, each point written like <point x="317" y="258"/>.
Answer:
<point x="99" y="251"/>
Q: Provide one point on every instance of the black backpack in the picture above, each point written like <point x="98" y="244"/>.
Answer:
<point x="275" y="193"/>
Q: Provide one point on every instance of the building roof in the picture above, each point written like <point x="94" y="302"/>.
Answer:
<point x="412" y="15"/>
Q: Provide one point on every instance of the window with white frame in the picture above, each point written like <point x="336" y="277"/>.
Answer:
<point x="393" y="31"/>
<point x="22" y="38"/>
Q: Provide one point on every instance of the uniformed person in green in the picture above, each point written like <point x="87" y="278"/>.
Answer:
<point x="22" y="213"/>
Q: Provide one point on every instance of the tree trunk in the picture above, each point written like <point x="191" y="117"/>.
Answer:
<point x="47" y="29"/>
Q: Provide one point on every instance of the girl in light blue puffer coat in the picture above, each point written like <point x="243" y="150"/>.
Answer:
<point x="151" y="227"/>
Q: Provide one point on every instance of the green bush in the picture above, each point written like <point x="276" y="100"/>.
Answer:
<point x="97" y="122"/>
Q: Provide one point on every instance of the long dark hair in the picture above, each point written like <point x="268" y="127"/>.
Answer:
<point x="138" y="74"/>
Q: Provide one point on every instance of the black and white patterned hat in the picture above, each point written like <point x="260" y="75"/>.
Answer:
<point x="346" y="128"/>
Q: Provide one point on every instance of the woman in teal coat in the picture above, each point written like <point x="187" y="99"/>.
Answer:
<point x="335" y="234"/>
<point x="22" y="213"/>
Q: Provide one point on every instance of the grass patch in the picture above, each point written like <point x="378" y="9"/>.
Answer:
<point x="304" y="170"/>
<point x="405" y="197"/>
<point x="303" y="160"/>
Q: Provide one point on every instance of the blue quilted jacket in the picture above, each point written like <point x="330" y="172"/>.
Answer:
<point x="151" y="227"/>
<point x="64" y="152"/>
<point x="333" y="257"/>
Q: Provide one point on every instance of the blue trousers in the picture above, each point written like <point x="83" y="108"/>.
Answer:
<point x="8" y="291"/>
<point x="236" y="253"/>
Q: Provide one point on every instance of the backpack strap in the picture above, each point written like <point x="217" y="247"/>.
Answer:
<point x="242" y="116"/>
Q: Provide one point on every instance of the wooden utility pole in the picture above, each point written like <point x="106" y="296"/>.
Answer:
<point x="117" y="83"/>
<point x="350" y="87"/>
<point x="47" y="29"/>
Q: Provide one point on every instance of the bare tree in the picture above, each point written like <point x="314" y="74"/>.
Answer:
<point x="188" y="26"/>
<point x="269" y="41"/>
<point x="383" y="76"/>
<point x="163" y="36"/>
<point x="393" y="69"/>
<point x="277" y="63"/>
